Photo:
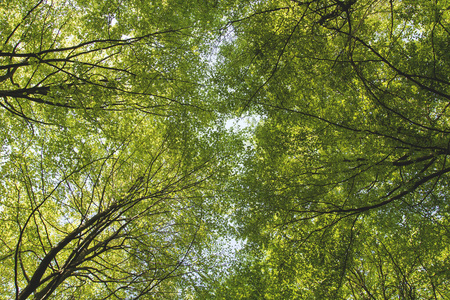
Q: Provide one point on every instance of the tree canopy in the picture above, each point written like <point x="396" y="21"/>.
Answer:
<point x="122" y="177"/>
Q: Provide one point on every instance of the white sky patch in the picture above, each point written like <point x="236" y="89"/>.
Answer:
<point x="245" y="125"/>
<point x="241" y="123"/>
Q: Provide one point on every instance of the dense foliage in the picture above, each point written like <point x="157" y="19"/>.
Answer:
<point x="121" y="177"/>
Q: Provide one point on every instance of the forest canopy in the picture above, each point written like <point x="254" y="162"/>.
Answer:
<point x="122" y="176"/>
